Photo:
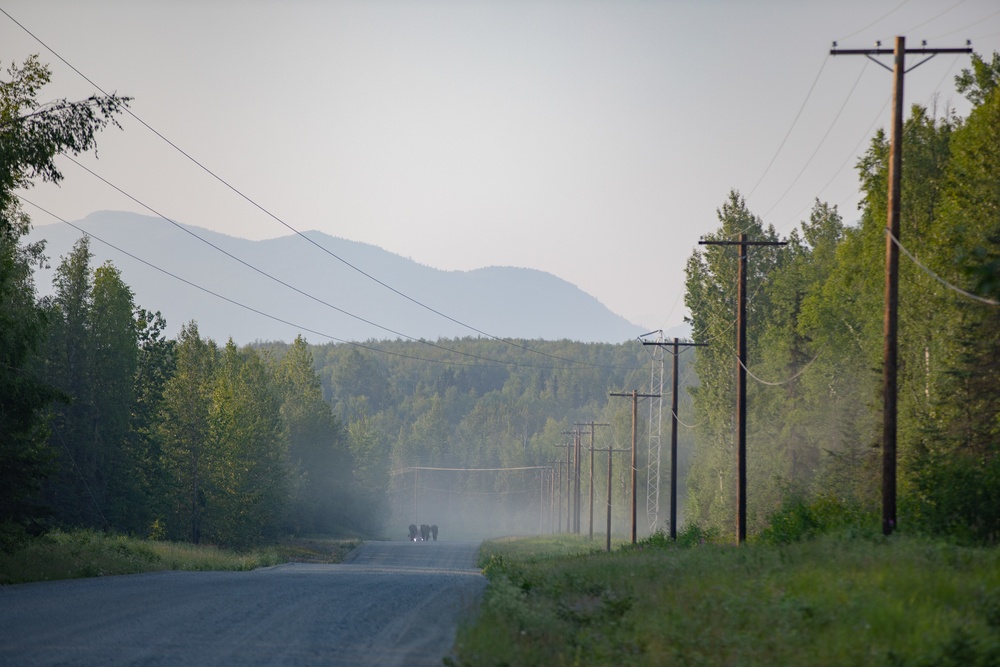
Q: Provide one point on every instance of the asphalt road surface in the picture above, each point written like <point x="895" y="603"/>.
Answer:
<point x="392" y="603"/>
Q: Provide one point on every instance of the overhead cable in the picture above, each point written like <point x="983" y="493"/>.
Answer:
<point x="278" y="219"/>
<point x="777" y="384"/>
<point x="255" y="310"/>
<point x="887" y="14"/>
<point x="789" y="133"/>
<point x="938" y="278"/>
<point x="821" y="142"/>
<point x="271" y="277"/>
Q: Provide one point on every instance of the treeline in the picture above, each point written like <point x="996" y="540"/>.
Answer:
<point x="188" y="440"/>
<point x="108" y="424"/>
<point x="477" y="403"/>
<point x="104" y="423"/>
<point x="181" y="439"/>
<point x="815" y="333"/>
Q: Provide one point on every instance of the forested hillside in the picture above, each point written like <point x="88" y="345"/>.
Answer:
<point x="487" y="404"/>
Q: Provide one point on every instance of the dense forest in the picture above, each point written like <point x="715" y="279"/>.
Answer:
<point x="108" y="424"/>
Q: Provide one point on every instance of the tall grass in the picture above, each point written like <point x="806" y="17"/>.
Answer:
<point x="84" y="553"/>
<point x="834" y="600"/>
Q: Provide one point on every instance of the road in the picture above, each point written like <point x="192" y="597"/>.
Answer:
<point x="392" y="603"/>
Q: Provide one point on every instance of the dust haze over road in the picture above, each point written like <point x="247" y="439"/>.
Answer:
<point x="392" y="603"/>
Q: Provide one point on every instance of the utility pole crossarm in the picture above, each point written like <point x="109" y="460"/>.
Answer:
<point x="889" y="52"/>
<point x="742" y="243"/>
<point x="681" y="343"/>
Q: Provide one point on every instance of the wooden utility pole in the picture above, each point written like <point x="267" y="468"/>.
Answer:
<point x="576" y="482"/>
<point x="555" y="495"/>
<point x="741" y="378"/>
<point x="552" y="497"/>
<point x="635" y="407"/>
<point x="610" y="450"/>
<point x="890" y="343"/>
<point x="592" y="424"/>
<point x="673" y="429"/>
<point x="573" y="525"/>
<point x="569" y="487"/>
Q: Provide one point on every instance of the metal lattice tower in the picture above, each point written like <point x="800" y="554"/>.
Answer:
<point x="655" y="429"/>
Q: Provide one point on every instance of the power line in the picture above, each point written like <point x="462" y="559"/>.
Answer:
<point x="938" y="278"/>
<point x="269" y="276"/>
<point x="890" y="363"/>
<point x="789" y="133"/>
<point x="933" y="18"/>
<point x="782" y="382"/>
<point x="886" y="15"/>
<point x="974" y="24"/>
<point x="492" y="362"/>
<point x="821" y="141"/>
<point x="277" y="219"/>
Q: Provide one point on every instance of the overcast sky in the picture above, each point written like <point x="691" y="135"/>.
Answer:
<point x="590" y="139"/>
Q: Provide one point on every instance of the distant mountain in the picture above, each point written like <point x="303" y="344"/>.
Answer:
<point x="499" y="301"/>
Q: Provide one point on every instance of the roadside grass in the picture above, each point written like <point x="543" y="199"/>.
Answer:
<point x="834" y="600"/>
<point x="315" y="549"/>
<point x="85" y="553"/>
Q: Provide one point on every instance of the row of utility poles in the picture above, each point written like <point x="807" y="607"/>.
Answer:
<point x="890" y="336"/>
<point x="890" y="341"/>
<point x="574" y="459"/>
<point x="573" y="487"/>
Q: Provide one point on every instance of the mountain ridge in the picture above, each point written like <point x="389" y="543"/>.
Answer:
<point x="334" y="301"/>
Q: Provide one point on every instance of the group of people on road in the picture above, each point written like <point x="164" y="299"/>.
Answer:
<point x="424" y="533"/>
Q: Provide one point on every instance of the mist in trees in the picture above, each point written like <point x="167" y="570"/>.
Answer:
<point x="815" y="338"/>
<point x="108" y="424"/>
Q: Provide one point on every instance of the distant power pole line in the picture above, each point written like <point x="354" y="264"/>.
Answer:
<point x="891" y="322"/>
<point x="741" y="379"/>
<point x="673" y="429"/>
<point x="569" y="485"/>
<point x="574" y="489"/>
<point x="592" y="424"/>
<point x="635" y="403"/>
<point x="610" y="451"/>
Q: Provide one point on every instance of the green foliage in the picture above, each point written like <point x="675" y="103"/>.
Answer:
<point x="979" y="82"/>
<point x="31" y="135"/>
<point x="86" y="553"/>
<point x="802" y="519"/>
<point x="183" y="433"/>
<point x="831" y="601"/>
<point x="691" y="535"/>
<point x="816" y="331"/>
<point x="245" y="485"/>
<point x="476" y="403"/>
<point x="318" y="453"/>
<point x="224" y="445"/>
<point x="958" y="498"/>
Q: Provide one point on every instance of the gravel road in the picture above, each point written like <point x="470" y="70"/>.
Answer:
<point x="392" y="603"/>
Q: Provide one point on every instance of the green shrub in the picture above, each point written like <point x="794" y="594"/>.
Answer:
<point x="958" y="497"/>
<point x="801" y="519"/>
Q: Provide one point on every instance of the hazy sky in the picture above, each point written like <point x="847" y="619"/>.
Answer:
<point x="590" y="139"/>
